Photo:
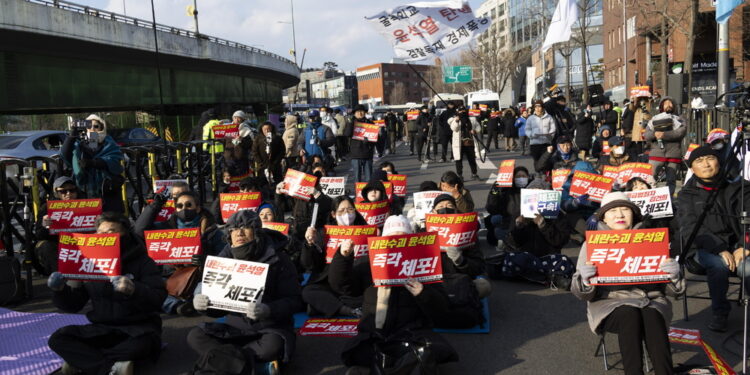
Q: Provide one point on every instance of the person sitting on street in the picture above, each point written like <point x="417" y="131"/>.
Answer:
<point x="617" y="155"/>
<point x="125" y="323"/>
<point x="451" y="183"/>
<point x="601" y="145"/>
<point x="470" y="260"/>
<point x="64" y="189"/>
<point x="504" y="205"/>
<point x="564" y="157"/>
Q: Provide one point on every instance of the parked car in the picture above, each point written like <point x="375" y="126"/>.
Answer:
<point x="27" y="144"/>
<point x="126" y="137"/>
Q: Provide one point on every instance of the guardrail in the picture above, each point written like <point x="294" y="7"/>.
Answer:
<point x="107" y="15"/>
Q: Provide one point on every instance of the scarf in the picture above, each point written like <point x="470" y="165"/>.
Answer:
<point x="190" y="224"/>
<point x="91" y="180"/>
<point x="564" y="156"/>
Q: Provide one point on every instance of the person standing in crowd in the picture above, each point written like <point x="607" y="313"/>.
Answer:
<point x="634" y="121"/>
<point x="520" y="125"/>
<point x="317" y="138"/>
<point x="411" y="133"/>
<point x="665" y="132"/>
<point x="196" y="134"/>
<point x="96" y="160"/>
<point x="327" y="119"/>
<point x="584" y="131"/>
<point x="424" y="123"/>
<point x="608" y="116"/>
<point x="291" y="140"/>
<point x="125" y="324"/>
<point x="391" y="127"/>
<point x="264" y="334"/>
<point x="509" y="129"/>
<point x="362" y="151"/>
<point x="558" y="110"/>
<point x="268" y="151"/>
<point x="342" y="144"/>
<point x="444" y="130"/>
<point x="540" y="128"/>
<point x="493" y="125"/>
<point x="64" y="189"/>
<point x="237" y="150"/>
<point x="635" y="313"/>
<point x="463" y="142"/>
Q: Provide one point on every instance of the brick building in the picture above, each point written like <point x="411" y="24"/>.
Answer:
<point x="390" y="83"/>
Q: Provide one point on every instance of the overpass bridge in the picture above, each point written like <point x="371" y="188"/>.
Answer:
<point x="58" y="57"/>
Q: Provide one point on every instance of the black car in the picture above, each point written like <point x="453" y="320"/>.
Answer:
<point x="126" y="137"/>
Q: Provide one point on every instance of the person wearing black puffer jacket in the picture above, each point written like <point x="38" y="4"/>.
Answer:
<point x="584" y="131"/>
<point x="504" y="205"/>
<point x="361" y="152"/>
<point x="125" y="323"/>
<point x="265" y="332"/>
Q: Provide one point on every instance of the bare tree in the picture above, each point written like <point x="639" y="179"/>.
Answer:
<point x="584" y="35"/>
<point x="398" y="94"/>
<point x="499" y="64"/>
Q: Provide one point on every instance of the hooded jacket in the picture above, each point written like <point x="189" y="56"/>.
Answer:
<point x="597" y="150"/>
<point x="291" y="136"/>
<point x="106" y="167"/>
<point x="540" y="130"/>
<point x="584" y="131"/>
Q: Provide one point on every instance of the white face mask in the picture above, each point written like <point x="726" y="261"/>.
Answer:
<point x="521" y="181"/>
<point x="619" y="150"/>
<point x="346" y="219"/>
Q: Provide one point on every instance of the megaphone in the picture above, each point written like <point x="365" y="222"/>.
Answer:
<point x="191" y="11"/>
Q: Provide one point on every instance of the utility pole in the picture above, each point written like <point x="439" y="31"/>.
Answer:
<point x="195" y="15"/>
<point x="723" y="59"/>
<point x="625" y="47"/>
<point x="294" y="34"/>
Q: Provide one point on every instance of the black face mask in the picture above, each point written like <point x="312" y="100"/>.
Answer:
<point x="248" y="251"/>
<point x="446" y="211"/>
<point x="187" y="215"/>
<point x="318" y="174"/>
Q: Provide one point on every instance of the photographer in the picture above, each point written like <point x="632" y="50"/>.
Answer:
<point x="556" y="106"/>
<point x="584" y="131"/>
<point x="665" y="133"/>
<point x="464" y="128"/>
<point x="609" y="116"/>
<point x="267" y="153"/>
<point x="96" y="161"/>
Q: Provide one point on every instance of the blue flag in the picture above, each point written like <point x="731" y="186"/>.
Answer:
<point x="724" y="9"/>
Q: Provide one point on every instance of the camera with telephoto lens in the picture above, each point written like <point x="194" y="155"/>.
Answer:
<point x="80" y="127"/>
<point x="663" y="124"/>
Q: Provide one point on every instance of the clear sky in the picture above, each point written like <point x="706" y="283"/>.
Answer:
<point x="331" y="30"/>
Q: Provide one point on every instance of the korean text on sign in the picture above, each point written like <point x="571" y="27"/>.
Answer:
<point x="335" y="235"/>
<point x="334" y="327"/>
<point x="282" y="228"/>
<point x="234" y="202"/>
<point x="166" y="211"/>
<point x="542" y="202"/>
<point x="399" y="184"/>
<point x="160" y="186"/>
<point x="78" y="215"/>
<point x="173" y="246"/>
<point x="333" y="186"/>
<point x="625" y="257"/>
<point x="395" y="259"/>
<point x="559" y="176"/>
<point x="226" y="131"/>
<point x="374" y="213"/>
<point x="234" y="182"/>
<point x="299" y="185"/>
<point x="364" y="131"/>
<point x="505" y="173"/>
<point x="596" y="186"/>
<point x="88" y="256"/>
<point x="454" y="230"/>
<point x="232" y="284"/>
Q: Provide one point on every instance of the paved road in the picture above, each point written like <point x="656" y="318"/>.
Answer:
<point x="535" y="330"/>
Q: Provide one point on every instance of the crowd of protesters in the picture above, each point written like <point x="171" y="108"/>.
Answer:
<point x="125" y="315"/>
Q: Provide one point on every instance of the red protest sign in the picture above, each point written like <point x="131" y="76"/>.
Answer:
<point x="77" y="215"/>
<point x="299" y="185"/>
<point x="88" y="256"/>
<point x="399" y="184"/>
<point x="361" y="185"/>
<point x="166" y="211"/>
<point x="596" y="186"/>
<point x="690" y="149"/>
<point x="630" y="170"/>
<point x="639" y="91"/>
<point x="394" y="259"/>
<point x="454" y="230"/>
<point x="234" y="202"/>
<point x="495" y="114"/>
<point x="367" y="131"/>
<point x="505" y="173"/>
<point x="559" y="176"/>
<point x="483" y="107"/>
<point x="358" y="234"/>
<point x="234" y="182"/>
<point x="332" y="327"/>
<point x="374" y="213"/>
<point x="226" y="131"/>
<point x="173" y="246"/>
<point x="625" y="257"/>
<point x="474" y="112"/>
<point x="605" y="148"/>
<point x="611" y="171"/>
<point x="412" y="115"/>
<point x="380" y="123"/>
<point x="279" y="227"/>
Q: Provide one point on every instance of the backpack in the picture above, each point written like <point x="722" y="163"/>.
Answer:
<point x="461" y="291"/>
<point x="11" y="283"/>
<point x="226" y="359"/>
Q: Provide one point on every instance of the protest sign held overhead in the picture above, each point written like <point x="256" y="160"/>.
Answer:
<point x="226" y="131"/>
<point x="232" y="284"/>
<point x="298" y="184"/>
<point x="399" y="184"/>
<point x="655" y="202"/>
<point x="364" y="131"/>
<point x="412" y="115"/>
<point x="474" y="112"/>
<point x="505" y="173"/>
<point x="89" y="256"/>
<point x="173" y="246"/>
<point x="234" y="202"/>
<point x="596" y="186"/>
<point x="161" y="186"/>
<point x="77" y="215"/>
<point x="166" y="211"/>
<point x="543" y="202"/>
<point x="374" y="213"/>
<point x="427" y="30"/>
<point x="358" y="234"/>
<point x="625" y="257"/>
<point x="333" y="186"/>
<point x="395" y="259"/>
<point x="559" y="176"/>
<point x="454" y="230"/>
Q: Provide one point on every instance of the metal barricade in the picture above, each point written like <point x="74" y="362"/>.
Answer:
<point x="16" y="185"/>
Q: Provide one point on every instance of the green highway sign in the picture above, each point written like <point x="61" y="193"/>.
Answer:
<point x="457" y="74"/>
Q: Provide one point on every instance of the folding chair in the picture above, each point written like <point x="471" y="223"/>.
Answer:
<point x="603" y="347"/>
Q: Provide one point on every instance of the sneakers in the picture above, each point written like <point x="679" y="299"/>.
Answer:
<point x="122" y="368"/>
<point x="559" y="282"/>
<point x="475" y="177"/>
<point x="718" y="323"/>
<point x="267" y="368"/>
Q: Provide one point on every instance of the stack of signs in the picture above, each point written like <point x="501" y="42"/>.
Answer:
<point x="690" y="149"/>
<point x="299" y="185"/>
<point x="693" y="337"/>
<point x="336" y="234"/>
<point x="559" y="176"/>
<point x="374" y="213"/>
<point x="333" y="186"/>
<point x="234" y="182"/>
<point x="232" y="284"/>
<point x="77" y="215"/>
<point x="624" y="257"/>
<point x="88" y="256"/>
<point x="412" y="115"/>
<point x="173" y="246"/>
<point x="332" y="327"/>
<point x="361" y="185"/>
<point x="596" y="186"/>
<point x="282" y="228"/>
<point x="474" y="112"/>
<point x="364" y="131"/>
<point x="234" y="202"/>
<point x="454" y="230"/>
<point x="226" y="131"/>
<point x="423" y="201"/>
<point x="505" y="173"/>
<point x="542" y="202"/>
<point x="395" y="259"/>
<point x="161" y="186"/>
<point x="655" y="202"/>
<point x="399" y="184"/>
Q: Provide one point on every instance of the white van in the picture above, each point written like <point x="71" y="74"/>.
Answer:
<point x="483" y="97"/>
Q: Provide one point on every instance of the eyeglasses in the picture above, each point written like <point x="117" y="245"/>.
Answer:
<point x="179" y="206"/>
<point x="65" y="191"/>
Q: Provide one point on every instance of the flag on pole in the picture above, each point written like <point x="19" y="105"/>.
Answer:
<point x="724" y="9"/>
<point x="427" y="30"/>
<point x="566" y="14"/>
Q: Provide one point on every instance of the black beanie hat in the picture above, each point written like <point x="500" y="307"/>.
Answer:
<point x="704" y="150"/>
<point x="443" y="197"/>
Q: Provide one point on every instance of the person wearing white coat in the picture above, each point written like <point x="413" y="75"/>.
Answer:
<point x="463" y="143"/>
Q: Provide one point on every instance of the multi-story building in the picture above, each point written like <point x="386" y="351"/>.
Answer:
<point x="391" y="83"/>
<point x="307" y="78"/>
<point x="498" y="35"/>
<point x="338" y="91"/>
